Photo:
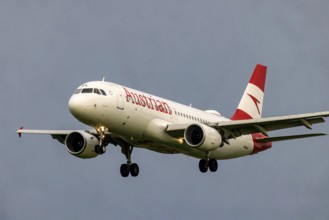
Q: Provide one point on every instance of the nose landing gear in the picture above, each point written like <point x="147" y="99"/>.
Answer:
<point x="101" y="148"/>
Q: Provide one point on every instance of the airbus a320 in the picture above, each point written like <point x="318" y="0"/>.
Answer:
<point x="128" y="118"/>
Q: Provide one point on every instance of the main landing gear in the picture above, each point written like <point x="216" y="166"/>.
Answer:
<point x="125" y="169"/>
<point x="128" y="168"/>
<point x="206" y="164"/>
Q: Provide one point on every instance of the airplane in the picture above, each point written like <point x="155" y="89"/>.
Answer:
<point x="129" y="118"/>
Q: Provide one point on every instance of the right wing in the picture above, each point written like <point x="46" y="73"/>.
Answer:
<point x="290" y="137"/>
<point x="233" y="129"/>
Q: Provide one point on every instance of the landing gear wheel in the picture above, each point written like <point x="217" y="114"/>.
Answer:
<point x="124" y="170"/>
<point x="203" y="165"/>
<point x="213" y="165"/>
<point x="134" y="169"/>
<point x="103" y="149"/>
<point x="100" y="149"/>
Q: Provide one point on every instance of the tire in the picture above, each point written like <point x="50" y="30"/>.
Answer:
<point x="100" y="149"/>
<point x="124" y="170"/>
<point x="213" y="165"/>
<point x="134" y="170"/>
<point x="203" y="166"/>
<point x="103" y="150"/>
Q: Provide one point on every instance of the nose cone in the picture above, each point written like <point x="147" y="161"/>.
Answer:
<point x="77" y="107"/>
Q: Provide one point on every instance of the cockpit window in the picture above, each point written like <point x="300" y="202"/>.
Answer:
<point x="87" y="90"/>
<point x="77" y="91"/>
<point x="97" y="91"/>
<point x="91" y="90"/>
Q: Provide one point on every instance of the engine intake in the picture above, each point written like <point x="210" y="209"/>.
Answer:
<point x="202" y="137"/>
<point x="81" y="144"/>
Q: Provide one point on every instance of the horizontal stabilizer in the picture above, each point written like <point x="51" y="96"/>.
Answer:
<point x="291" y="137"/>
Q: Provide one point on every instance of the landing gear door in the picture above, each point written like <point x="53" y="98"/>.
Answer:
<point x="120" y="97"/>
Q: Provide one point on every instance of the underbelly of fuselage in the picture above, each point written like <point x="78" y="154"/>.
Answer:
<point x="242" y="146"/>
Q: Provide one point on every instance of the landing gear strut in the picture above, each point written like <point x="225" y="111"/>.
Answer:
<point x="101" y="148"/>
<point x="128" y="167"/>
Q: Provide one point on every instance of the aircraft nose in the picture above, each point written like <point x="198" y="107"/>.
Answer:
<point x="76" y="106"/>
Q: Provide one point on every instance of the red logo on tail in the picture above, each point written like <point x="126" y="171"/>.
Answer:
<point x="256" y="101"/>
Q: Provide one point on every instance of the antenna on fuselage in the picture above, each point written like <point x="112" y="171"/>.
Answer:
<point x="103" y="79"/>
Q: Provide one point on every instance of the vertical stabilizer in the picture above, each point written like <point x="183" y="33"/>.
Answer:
<point x="251" y="104"/>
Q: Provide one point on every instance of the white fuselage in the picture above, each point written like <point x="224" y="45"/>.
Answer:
<point x="141" y="119"/>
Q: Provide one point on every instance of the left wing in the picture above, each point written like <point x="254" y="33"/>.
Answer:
<point x="59" y="135"/>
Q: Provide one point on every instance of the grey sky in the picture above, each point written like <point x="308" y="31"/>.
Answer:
<point x="199" y="52"/>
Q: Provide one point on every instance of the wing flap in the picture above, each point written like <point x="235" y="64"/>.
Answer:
<point x="285" y="138"/>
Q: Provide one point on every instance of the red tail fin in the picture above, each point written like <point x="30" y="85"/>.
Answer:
<point x="251" y="104"/>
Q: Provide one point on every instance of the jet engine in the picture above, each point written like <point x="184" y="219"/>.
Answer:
<point x="81" y="144"/>
<point x="202" y="137"/>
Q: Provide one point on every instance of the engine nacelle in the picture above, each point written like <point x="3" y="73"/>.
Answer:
<point x="202" y="137"/>
<point x="81" y="144"/>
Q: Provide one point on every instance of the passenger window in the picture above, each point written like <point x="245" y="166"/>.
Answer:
<point x="88" y="90"/>
<point x="102" y="91"/>
<point x="97" y="91"/>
